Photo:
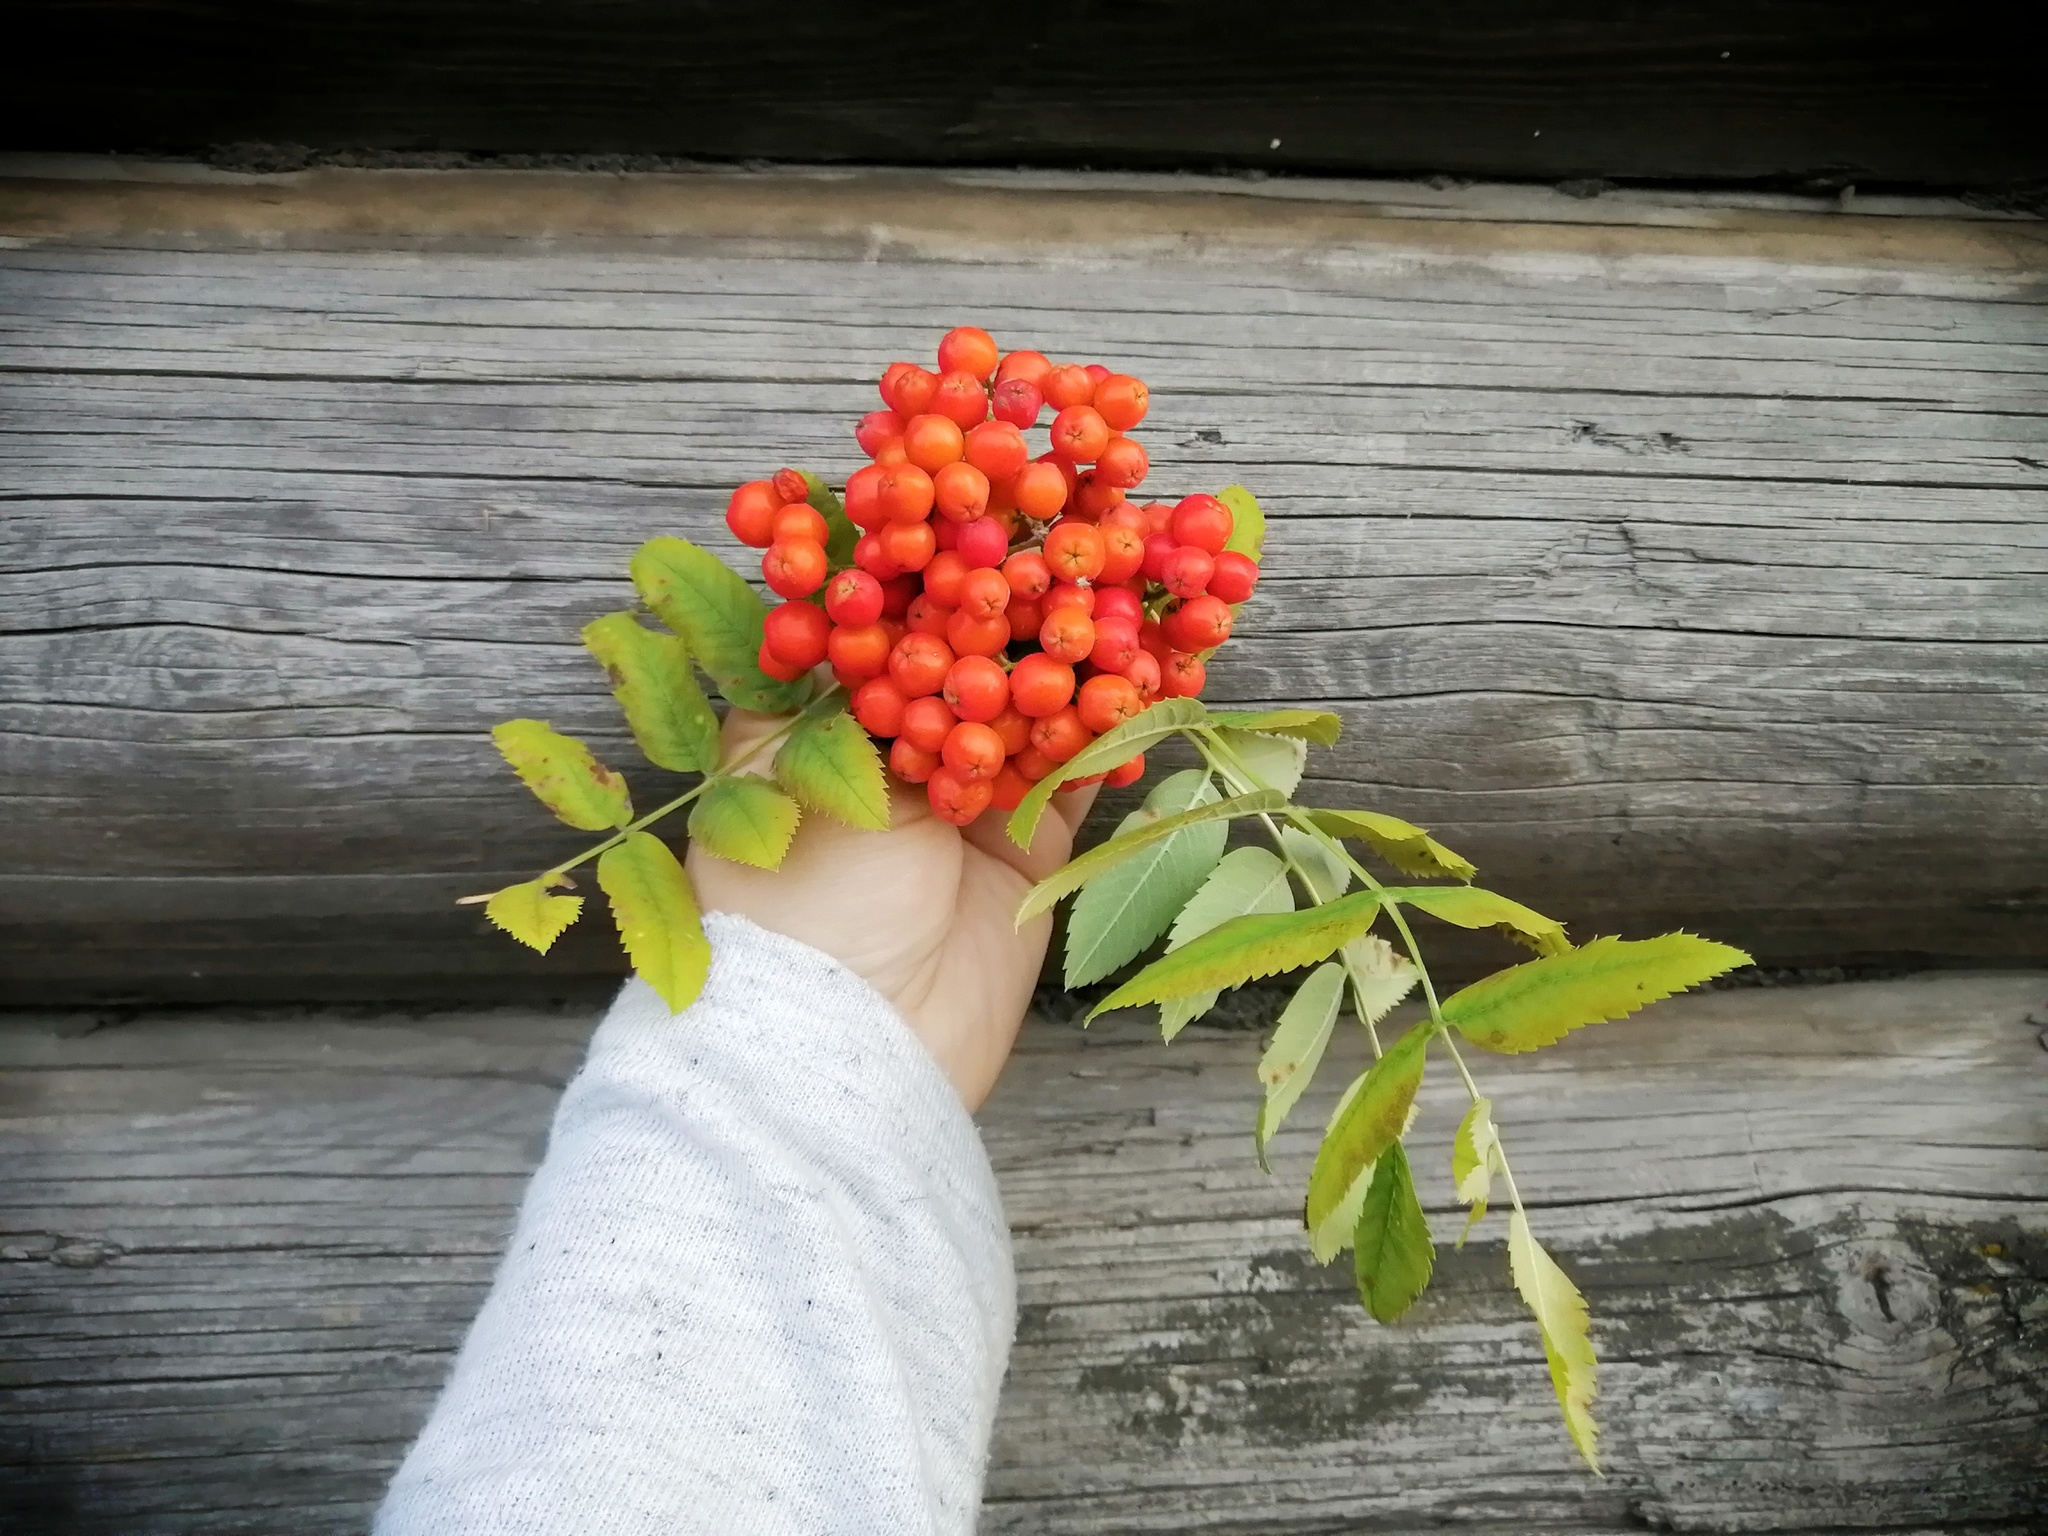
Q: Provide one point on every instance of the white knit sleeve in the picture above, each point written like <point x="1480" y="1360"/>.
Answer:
<point x="761" y="1282"/>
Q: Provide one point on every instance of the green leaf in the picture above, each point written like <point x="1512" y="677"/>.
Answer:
<point x="651" y="678"/>
<point x="746" y="820"/>
<point x="1405" y="846"/>
<point x="1467" y="906"/>
<point x="841" y="535"/>
<point x="1316" y="725"/>
<point x="656" y="913"/>
<point x="1333" y="1234"/>
<point x="532" y="916"/>
<point x="561" y="772"/>
<point x="1103" y="857"/>
<point x="1368" y="1125"/>
<point x="1110" y="750"/>
<point x="1475" y="1158"/>
<point x="1538" y="1001"/>
<point x="1248" y="947"/>
<point x="1248" y="522"/>
<point x="719" y="618"/>
<point x="1274" y="761"/>
<point x="1326" y="876"/>
<point x="830" y="764"/>
<point x="1391" y="1248"/>
<point x="1380" y="978"/>
<point x="1248" y="880"/>
<point x="1297" y="1048"/>
<point x="1567" y="1341"/>
<point x="1122" y="911"/>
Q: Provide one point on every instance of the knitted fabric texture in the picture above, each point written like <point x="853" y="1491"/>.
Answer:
<point x="761" y="1282"/>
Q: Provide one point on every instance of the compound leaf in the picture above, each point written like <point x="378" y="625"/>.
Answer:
<point x="1475" y="1158"/>
<point x="1248" y="522"/>
<point x="562" y="773"/>
<point x="651" y="678"/>
<point x="1248" y="880"/>
<point x="1326" y="876"/>
<point x="1316" y="725"/>
<point x="830" y="764"/>
<point x="1405" y="846"/>
<point x="1297" y="1048"/>
<point x="1392" y="1255"/>
<point x="1126" y="908"/>
<point x="531" y="915"/>
<point x="1106" y="856"/>
<point x="1372" y="1121"/>
<point x="1380" y="977"/>
<point x="1276" y="762"/>
<point x="1538" y="1001"/>
<point x="1467" y="906"/>
<point x="1567" y="1342"/>
<point x="1109" y="750"/>
<point x="656" y="913"/>
<point x="746" y="820"/>
<point x="719" y="618"/>
<point x="1246" y="948"/>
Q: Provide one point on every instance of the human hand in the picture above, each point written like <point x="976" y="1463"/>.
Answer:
<point x="923" y="912"/>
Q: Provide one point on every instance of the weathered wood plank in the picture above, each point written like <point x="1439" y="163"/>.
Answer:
<point x="1674" y="582"/>
<point x="235" y="1251"/>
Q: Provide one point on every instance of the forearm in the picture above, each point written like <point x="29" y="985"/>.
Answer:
<point x="760" y="1283"/>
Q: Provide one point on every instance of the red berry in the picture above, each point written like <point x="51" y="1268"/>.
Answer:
<point x="1159" y="548"/>
<point x="1144" y="675"/>
<point x="957" y="798"/>
<point x="1203" y="521"/>
<point x="1032" y="367"/>
<point x="1013" y="725"/>
<point x="1152" y="636"/>
<point x="904" y="493"/>
<point x="800" y="520"/>
<point x="1118" y="603"/>
<point x="877" y="428"/>
<point x="1067" y="595"/>
<point x="977" y="688"/>
<point x="1027" y="573"/>
<point x="997" y="449"/>
<point x="751" y="513"/>
<point x="1126" y="773"/>
<point x="1041" y="686"/>
<point x="943" y="576"/>
<point x="931" y="442"/>
<point x="1074" y="550"/>
<point x="970" y="350"/>
<point x="983" y="593"/>
<point x="1123" y="553"/>
<point x="1079" y="434"/>
<point x="1067" y="386"/>
<point x="896" y="595"/>
<point x="927" y="722"/>
<point x="862" y="503"/>
<point x="1187" y="571"/>
<point x="927" y="616"/>
<point x="1009" y="788"/>
<point x="1121" y="463"/>
<point x="1097" y="372"/>
<point x="910" y="392"/>
<point x="1182" y="676"/>
<point x="1122" y="400"/>
<point x="1107" y="701"/>
<point x="1018" y="402"/>
<point x="960" y="492"/>
<point x="870" y="555"/>
<point x="1234" y="577"/>
<point x="795" y="634"/>
<point x="961" y="398"/>
<point x="910" y="762"/>
<point x="918" y="664"/>
<point x="878" y="704"/>
<point x="1158" y="517"/>
<point x="795" y="568"/>
<point x="1032" y="764"/>
<point x="970" y="636"/>
<point x="1116" y="643"/>
<point x="983" y="542"/>
<point x="1061" y="734"/>
<point x="791" y="485"/>
<point x="775" y="667"/>
<point x="853" y="597"/>
<point x="1200" y="624"/>
<point x="1024" y="615"/>
<point x="973" y="750"/>
<point x="1067" y="634"/>
<point x="861" y="651"/>
<point x="1040" y="490"/>
<point x="910" y="545"/>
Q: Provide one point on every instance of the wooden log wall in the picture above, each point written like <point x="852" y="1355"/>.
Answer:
<point x="1681" y="563"/>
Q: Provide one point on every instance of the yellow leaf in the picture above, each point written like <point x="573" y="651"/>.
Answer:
<point x="1567" y="1341"/>
<point x="532" y="916"/>
<point x="656" y="912"/>
<point x="561" y="772"/>
<point x="1532" y="1004"/>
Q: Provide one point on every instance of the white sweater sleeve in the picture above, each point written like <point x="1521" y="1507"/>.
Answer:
<point x="760" y="1283"/>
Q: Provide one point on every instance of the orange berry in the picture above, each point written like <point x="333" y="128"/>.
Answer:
<point x="973" y="750"/>
<point x="1095" y="497"/>
<point x="1040" y="490"/>
<point x="1122" y="400"/>
<point x="927" y="722"/>
<point x="955" y="797"/>
<point x="1107" y="701"/>
<point x="1203" y="521"/>
<point x="960" y="491"/>
<point x="862" y="504"/>
<point x="961" y="398"/>
<point x="926" y="616"/>
<point x="1014" y="726"/>
<point x="1008" y="789"/>
<point x="997" y="449"/>
<point x="1079" y="434"/>
<point x="878" y="704"/>
<point x="1121" y="463"/>
<point x="968" y="349"/>
<point x="918" y="664"/>
<point x="751" y="513"/>
<point x="1123" y="553"/>
<point x="1126" y="773"/>
<point x="1027" y="573"/>
<point x="1024" y="616"/>
<point x="1018" y="402"/>
<point x="977" y="688"/>
<point x="795" y="567"/>
<point x="794" y="633"/>
<point x="777" y="668"/>
<point x="942" y="578"/>
<point x="1235" y="576"/>
<point x="1200" y="624"/>
<point x="931" y="442"/>
<point x="1040" y="685"/>
<point x="1032" y="764"/>
<point x="984" y="593"/>
<point x="1075" y="551"/>
<point x="1066" y="594"/>
<point x="909" y="545"/>
<point x="970" y="636"/>
<point x="904" y="493"/>
<point x="910" y="391"/>
<point x="910" y="762"/>
<point x="858" y="651"/>
<point x="1061" y="734"/>
<point x="875" y="429"/>
<point x="1032" y="367"/>
<point x="800" y="520"/>
<point x="1181" y="676"/>
<point x="1067" y="385"/>
<point x="1067" y="634"/>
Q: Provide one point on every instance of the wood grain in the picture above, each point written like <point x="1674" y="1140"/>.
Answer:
<point x="236" y="1250"/>
<point x="1699" y="583"/>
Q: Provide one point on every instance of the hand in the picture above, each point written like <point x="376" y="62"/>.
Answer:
<point x="923" y="912"/>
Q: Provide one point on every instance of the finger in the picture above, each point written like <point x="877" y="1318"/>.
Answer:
<point x="743" y="732"/>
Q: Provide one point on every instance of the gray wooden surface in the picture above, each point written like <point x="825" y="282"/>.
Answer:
<point x="1681" y="564"/>
<point x="236" y="1250"/>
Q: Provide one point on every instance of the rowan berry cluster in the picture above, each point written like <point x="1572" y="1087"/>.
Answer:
<point x="1003" y="607"/>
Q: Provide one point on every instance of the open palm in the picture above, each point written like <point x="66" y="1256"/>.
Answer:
<point x="923" y="912"/>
